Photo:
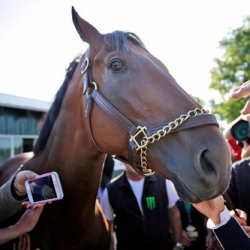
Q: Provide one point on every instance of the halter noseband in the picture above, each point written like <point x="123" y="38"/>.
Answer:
<point x="194" y="118"/>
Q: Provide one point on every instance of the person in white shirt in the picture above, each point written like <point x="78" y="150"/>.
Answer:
<point x="141" y="210"/>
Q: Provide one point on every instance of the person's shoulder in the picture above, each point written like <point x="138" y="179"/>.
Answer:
<point x="119" y="179"/>
<point x="241" y="163"/>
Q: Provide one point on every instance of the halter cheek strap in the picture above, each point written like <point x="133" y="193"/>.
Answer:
<point x="85" y="73"/>
<point x="141" y="136"/>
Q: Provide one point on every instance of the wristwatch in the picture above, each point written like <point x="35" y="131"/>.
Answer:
<point x="178" y="244"/>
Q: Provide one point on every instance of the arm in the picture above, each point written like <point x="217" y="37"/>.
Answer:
<point x="229" y="233"/>
<point x="13" y="193"/>
<point x="109" y="214"/>
<point x="232" y="236"/>
<point x="26" y="223"/>
<point x="175" y="223"/>
<point x="185" y="239"/>
<point x="209" y="239"/>
<point x="174" y="215"/>
<point x="8" y="204"/>
<point x="113" y="236"/>
<point x="242" y="220"/>
<point x="23" y="243"/>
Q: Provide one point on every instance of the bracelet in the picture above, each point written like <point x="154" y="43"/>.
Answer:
<point x="178" y="244"/>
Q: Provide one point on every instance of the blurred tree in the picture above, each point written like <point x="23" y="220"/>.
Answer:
<point x="232" y="70"/>
<point x="197" y="99"/>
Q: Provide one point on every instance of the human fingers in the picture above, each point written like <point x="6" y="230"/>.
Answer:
<point x="14" y="246"/>
<point x="185" y="239"/>
<point x="241" y="91"/>
<point x="246" y="109"/>
<point x="242" y="214"/>
<point x="240" y="221"/>
<point x="24" y="242"/>
<point x="21" y="177"/>
<point x="29" y="219"/>
<point x="246" y="229"/>
<point x="186" y="242"/>
<point x="28" y="205"/>
<point x="209" y="243"/>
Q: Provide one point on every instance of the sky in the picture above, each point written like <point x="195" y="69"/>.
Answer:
<point x="38" y="39"/>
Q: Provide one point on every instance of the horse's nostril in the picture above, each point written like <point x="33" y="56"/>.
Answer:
<point x="205" y="163"/>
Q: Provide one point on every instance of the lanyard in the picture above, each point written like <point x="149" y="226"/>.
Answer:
<point x="188" y="210"/>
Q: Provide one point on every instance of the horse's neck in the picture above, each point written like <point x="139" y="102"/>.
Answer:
<point x="71" y="152"/>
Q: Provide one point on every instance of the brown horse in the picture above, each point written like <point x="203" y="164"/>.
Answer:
<point x="120" y="100"/>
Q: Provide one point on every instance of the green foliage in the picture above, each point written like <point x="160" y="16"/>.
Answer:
<point x="231" y="70"/>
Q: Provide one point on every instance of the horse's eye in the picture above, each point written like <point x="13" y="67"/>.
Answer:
<point x="117" y="66"/>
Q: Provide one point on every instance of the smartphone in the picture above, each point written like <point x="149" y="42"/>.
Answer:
<point x="44" y="188"/>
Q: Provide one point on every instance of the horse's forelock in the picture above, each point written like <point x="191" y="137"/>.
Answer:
<point x="55" y="107"/>
<point x="119" y="40"/>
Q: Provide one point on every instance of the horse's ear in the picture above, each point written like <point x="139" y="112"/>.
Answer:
<point x="86" y="31"/>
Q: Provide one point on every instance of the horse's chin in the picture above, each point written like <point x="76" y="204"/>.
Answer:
<point x="190" y="194"/>
<point x="185" y="192"/>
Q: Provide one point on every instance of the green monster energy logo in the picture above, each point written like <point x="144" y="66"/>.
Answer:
<point x="150" y="202"/>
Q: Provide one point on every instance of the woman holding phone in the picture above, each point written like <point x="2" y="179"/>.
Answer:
<point x="12" y="197"/>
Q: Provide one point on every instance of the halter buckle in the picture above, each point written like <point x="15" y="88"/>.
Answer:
<point x="140" y="130"/>
<point x="86" y="64"/>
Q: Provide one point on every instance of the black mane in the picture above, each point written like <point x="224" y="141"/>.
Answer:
<point x="55" y="107"/>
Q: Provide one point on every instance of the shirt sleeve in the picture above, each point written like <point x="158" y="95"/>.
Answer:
<point x="106" y="207"/>
<point x="172" y="194"/>
<point x="8" y="204"/>
<point x="229" y="232"/>
<point x="232" y="236"/>
<point x="225" y="216"/>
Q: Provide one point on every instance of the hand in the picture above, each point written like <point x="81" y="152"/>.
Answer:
<point x="242" y="220"/>
<point x="185" y="239"/>
<point x="211" y="208"/>
<point x="29" y="205"/>
<point x="19" y="182"/>
<point x="246" y="229"/>
<point x="241" y="91"/>
<point x="243" y="223"/>
<point x="23" y="243"/>
<point x="28" y="220"/>
<point x="209" y="241"/>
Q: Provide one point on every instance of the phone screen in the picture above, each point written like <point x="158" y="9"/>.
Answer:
<point x="42" y="188"/>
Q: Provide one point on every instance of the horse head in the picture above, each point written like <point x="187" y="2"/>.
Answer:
<point x="136" y="110"/>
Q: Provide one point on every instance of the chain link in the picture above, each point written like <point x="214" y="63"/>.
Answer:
<point x="161" y="133"/>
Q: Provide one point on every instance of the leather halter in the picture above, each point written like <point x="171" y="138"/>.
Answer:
<point x="192" y="119"/>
